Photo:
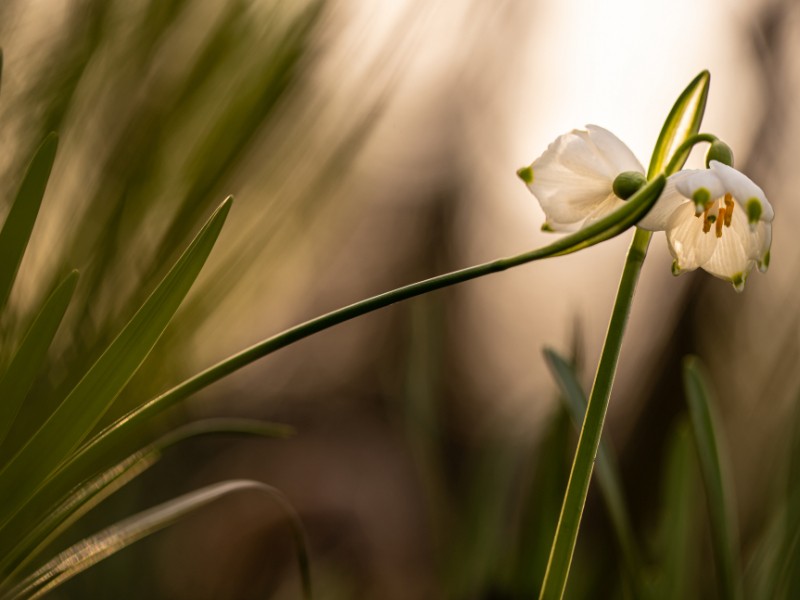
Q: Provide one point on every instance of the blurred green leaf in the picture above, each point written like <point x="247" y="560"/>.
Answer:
<point x="17" y="229"/>
<point x="542" y="505"/>
<point x="682" y="122"/>
<point x="780" y="547"/>
<point x="724" y="536"/>
<point x="31" y="354"/>
<point x="232" y="135"/>
<point x="677" y="552"/>
<point x="90" y="551"/>
<point x="481" y="530"/>
<point x="606" y="469"/>
<point x="91" y="398"/>
<point x="90" y="493"/>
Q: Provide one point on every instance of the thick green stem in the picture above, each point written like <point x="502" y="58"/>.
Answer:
<point x="555" y="579"/>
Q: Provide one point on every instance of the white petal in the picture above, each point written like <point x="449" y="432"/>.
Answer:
<point x="690" y="246"/>
<point x="569" y="180"/>
<point x="575" y="153"/>
<point x="576" y="173"/>
<point x="695" y="180"/>
<point x="742" y="188"/>
<point x="605" y="208"/>
<point x="734" y="252"/>
<point x="565" y="197"/>
<point x="658" y="217"/>
<point x="614" y="150"/>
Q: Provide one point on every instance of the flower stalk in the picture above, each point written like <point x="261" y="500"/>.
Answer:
<point x="555" y="579"/>
<point x="674" y="142"/>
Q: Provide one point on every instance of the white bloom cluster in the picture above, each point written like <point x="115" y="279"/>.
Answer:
<point x="716" y="218"/>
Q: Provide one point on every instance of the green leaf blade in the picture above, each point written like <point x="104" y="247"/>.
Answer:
<point x="677" y="552"/>
<point x="94" y="394"/>
<point x="682" y="122"/>
<point x="90" y="551"/>
<point x="724" y="536"/>
<point x="26" y="363"/>
<point x="93" y="491"/>
<point x="16" y="232"/>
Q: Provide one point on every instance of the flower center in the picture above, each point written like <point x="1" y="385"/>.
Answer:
<point x="722" y="218"/>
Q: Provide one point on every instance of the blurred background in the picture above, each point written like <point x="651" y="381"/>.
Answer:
<point x="368" y="145"/>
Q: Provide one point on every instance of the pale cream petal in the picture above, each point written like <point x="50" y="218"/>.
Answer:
<point x="693" y="180"/>
<point x="750" y="240"/>
<point x="689" y="245"/>
<point x="619" y="157"/>
<point x="566" y="197"/>
<point x="569" y="180"/>
<point x="658" y="217"/>
<point x="574" y="152"/>
<point x="742" y="188"/>
<point x="730" y="259"/>
<point x="605" y="208"/>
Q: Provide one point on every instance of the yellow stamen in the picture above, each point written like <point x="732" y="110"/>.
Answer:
<point x="729" y="204"/>
<point x="721" y="218"/>
<point x="706" y="222"/>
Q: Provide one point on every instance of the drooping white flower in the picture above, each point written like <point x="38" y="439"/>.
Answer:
<point x="573" y="180"/>
<point x="716" y="219"/>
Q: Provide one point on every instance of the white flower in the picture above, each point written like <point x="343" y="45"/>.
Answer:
<point x="716" y="219"/>
<point x="573" y="179"/>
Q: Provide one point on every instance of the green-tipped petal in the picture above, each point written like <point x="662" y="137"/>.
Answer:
<point x="526" y="174"/>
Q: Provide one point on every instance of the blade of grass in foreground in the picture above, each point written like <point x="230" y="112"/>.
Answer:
<point x="74" y="419"/>
<point x="90" y="551"/>
<point x="91" y="493"/>
<point x="724" y="537"/>
<point x="682" y="122"/>
<point x="607" y="470"/>
<point x="30" y="355"/>
<point x="17" y="229"/>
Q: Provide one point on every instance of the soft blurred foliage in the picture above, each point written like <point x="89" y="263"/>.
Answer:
<point x="369" y="145"/>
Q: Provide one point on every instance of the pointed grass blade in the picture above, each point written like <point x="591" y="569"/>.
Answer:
<point x="92" y="492"/>
<point x="682" y="122"/>
<point x="19" y="223"/>
<point x="92" y="550"/>
<point x="606" y="469"/>
<point x="26" y="363"/>
<point x="80" y="411"/>
<point x="724" y="536"/>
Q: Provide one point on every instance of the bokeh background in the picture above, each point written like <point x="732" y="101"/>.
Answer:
<point x="368" y="145"/>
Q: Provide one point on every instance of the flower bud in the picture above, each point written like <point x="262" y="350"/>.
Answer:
<point x="627" y="184"/>
<point x="721" y="152"/>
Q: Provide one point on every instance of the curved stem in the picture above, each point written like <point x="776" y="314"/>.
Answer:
<point x="109" y="440"/>
<point x="555" y="579"/>
<point x="680" y="152"/>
